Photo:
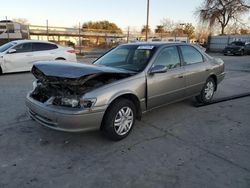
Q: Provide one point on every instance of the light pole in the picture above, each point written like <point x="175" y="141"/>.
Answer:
<point x="147" y="20"/>
<point x="47" y="28"/>
<point x="7" y="27"/>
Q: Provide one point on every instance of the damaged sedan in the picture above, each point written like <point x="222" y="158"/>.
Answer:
<point x="120" y="86"/>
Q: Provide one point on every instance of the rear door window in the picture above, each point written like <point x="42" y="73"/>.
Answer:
<point x="43" y="46"/>
<point x="191" y="55"/>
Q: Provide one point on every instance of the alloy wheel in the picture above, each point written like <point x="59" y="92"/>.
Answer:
<point x="123" y="121"/>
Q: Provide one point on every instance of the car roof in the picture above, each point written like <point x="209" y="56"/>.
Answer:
<point x="157" y="44"/>
<point x="28" y="41"/>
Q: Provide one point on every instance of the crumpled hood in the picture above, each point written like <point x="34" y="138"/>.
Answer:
<point x="72" y="79"/>
<point x="72" y="70"/>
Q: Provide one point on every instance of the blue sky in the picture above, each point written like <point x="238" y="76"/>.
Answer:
<point x="123" y="12"/>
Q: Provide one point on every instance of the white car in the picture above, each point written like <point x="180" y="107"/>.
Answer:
<point x="20" y="55"/>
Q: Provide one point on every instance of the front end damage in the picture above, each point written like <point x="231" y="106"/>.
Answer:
<point x="64" y="85"/>
<point x="57" y="99"/>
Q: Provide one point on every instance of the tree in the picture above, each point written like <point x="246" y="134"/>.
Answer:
<point x="102" y="26"/>
<point x="159" y="29"/>
<point x="189" y="30"/>
<point x="23" y="21"/>
<point x="168" y="25"/>
<point x="143" y="30"/>
<point x="221" y="12"/>
<point x="244" y="31"/>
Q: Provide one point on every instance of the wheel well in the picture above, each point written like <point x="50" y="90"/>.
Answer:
<point x="215" y="80"/>
<point x="132" y="98"/>
<point x="135" y="100"/>
<point x="60" y="58"/>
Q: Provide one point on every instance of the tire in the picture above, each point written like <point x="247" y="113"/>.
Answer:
<point x="207" y="92"/>
<point x="241" y="52"/>
<point x="1" y="72"/>
<point x="60" y="58"/>
<point x="116" y="123"/>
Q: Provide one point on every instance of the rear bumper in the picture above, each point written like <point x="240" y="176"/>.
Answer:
<point x="63" y="119"/>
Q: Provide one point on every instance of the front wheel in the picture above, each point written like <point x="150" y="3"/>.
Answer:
<point x="207" y="92"/>
<point x="119" y="119"/>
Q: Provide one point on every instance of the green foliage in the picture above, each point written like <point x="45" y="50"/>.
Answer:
<point x="102" y="26"/>
<point x="189" y="30"/>
<point x="143" y="30"/>
<point x="159" y="29"/>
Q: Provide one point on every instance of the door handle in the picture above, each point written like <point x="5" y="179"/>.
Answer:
<point x="208" y="69"/>
<point x="180" y="76"/>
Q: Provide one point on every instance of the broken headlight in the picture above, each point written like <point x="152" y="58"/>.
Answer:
<point x="88" y="103"/>
<point x="70" y="102"/>
<point x="74" y="102"/>
<point x="67" y="101"/>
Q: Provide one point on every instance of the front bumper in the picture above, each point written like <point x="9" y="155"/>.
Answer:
<point x="232" y="51"/>
<point x="63" y="118"/>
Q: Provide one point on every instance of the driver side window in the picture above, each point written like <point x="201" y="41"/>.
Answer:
<point x="168" y="57"/>
<point x="26" y="47"/>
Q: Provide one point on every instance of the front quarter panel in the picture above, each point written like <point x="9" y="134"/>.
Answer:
<point x="135" y="85"/>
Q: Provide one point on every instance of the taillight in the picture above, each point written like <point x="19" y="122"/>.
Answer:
<point x="71" y="51"/>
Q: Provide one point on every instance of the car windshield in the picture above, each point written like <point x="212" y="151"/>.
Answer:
<point x="237" y="44"/>
<point x="6" y="46"/>
<point x="129" y="57"/>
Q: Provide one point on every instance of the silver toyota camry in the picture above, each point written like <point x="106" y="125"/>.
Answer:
<point x="120" y="86"/>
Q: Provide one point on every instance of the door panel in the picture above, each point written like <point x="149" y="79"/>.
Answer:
<point x="247" y="48"/>
<point x="18" y="61"/>
<point x="168" y="86"/>
<point x="43" y="52"/>
<point x="196" y="69"/>
<point x="196" y="76"/>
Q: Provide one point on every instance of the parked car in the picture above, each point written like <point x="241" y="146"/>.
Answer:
<point x="237" y="48"/>
<point x="20" y="55"/>
<point x="120" y="86"/>
<point x="201" y="47"/>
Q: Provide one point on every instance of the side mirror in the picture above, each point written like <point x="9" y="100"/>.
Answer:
<point x="11" y="51"/>
<point x="158" y="69"/>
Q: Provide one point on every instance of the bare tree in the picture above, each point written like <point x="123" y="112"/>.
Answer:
<point x="23" y="21"/>
<point x="168" y="25"/>
<point x="222" y="11"/>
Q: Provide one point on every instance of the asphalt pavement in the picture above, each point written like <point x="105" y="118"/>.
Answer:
<point x="174" y="146"/>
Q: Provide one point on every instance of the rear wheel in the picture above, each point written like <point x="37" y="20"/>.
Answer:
<point x="207" y="92"/>
<point x="1" y="72"/>
<point x="242" y="52"/>
<point x="60" y="58"/>
<point x="119" y="119"/>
